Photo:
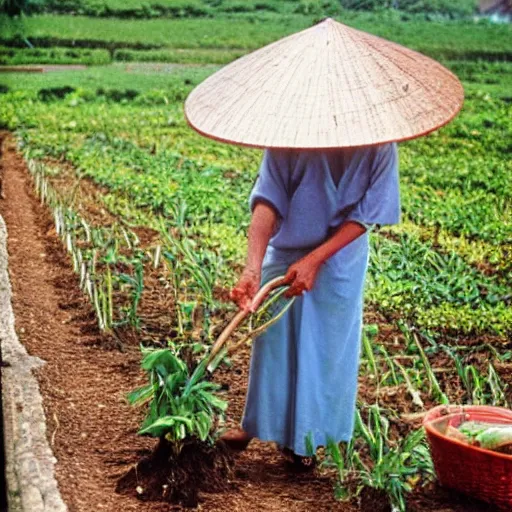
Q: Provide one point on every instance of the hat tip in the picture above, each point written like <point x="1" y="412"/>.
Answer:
<point x="326" y="20"/>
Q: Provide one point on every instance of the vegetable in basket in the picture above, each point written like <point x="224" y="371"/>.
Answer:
<point x="491" y="436"/>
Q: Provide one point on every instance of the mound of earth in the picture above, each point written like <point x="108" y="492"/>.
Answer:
<point x="177" y="473"/>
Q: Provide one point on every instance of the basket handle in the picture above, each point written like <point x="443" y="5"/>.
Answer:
<point x="237" y="319"/>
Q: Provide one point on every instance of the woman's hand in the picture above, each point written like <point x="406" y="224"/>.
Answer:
<point x="246" y="288"/>
<point x="301" y="275"/>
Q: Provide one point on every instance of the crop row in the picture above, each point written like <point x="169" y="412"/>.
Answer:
<point x="114" y="266"/>
<point x="410" y="276"/>
<point x="16" y="56"/>
<point x="13" y="56"/>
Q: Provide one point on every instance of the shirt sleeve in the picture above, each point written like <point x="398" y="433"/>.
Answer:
<point x="271" y="184"/>
<point x="380" y="203"/>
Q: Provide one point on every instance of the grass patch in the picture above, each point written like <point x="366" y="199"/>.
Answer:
<point x="115" y="76"/>
<point x="157" y="33"/>
<point x="181" y="56"/>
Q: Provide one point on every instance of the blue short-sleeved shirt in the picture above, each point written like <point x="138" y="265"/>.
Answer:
<point x="314" y="192"/>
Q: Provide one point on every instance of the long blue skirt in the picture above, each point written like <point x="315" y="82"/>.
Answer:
<point x="303" y="374"/>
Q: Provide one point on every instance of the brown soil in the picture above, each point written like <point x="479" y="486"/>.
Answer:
<point x="41" y="68"/>
<point x="179" y="477"/>
<point x="91" y="428"/>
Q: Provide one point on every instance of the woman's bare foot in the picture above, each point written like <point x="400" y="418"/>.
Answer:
<point x="236" y="439"/>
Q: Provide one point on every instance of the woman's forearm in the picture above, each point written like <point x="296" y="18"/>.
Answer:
<point x="346" y="233"/>
<point x="263" y="223"/>
<point x="301" y="275"/>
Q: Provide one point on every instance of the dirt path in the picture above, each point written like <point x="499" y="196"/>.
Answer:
<point x="91" y="428"/>
<point x="41" y="68"/>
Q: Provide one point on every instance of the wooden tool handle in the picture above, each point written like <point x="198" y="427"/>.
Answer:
<point x="255" y="304"/>
<point x="265" y="290"/>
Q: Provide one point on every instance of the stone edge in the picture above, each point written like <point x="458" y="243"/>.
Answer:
<point x="31" y="483"/>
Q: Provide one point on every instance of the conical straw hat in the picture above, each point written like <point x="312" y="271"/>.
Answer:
<point x="324" y="87"/>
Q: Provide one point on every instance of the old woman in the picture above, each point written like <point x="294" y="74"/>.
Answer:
<point x="328" y="105"/>
<point x="311" y="213"/>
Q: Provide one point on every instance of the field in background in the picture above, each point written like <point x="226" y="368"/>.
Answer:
<point x="225" y="35"/>
<point x="214" y="8"/>
<point x="149" y="210"/>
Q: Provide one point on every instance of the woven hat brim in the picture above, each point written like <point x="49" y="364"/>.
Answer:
<point x="241" y="143"/>
<point x="325" y="87"/>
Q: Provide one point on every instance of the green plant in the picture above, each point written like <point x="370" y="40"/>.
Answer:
<point x="181" y="404"/>
<point x="480" y="389"/>
<point x="394" y="468"/>
<point x="368" y="333"/>
<point x="434" y="387"/>
<point x="182" y="413"/>
<point x="135" y="282"/>
<point x="497" y="387"/>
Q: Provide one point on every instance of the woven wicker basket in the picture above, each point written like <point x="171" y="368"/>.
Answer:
<point x="480" y="473"/>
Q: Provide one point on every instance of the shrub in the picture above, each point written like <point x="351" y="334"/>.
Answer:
<point x="318" y="8"/>
<point x="54" y="93"/>
<point x="117" y="95"/>
<point x="17" y="7"/>
<point x="182" y="412"/>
